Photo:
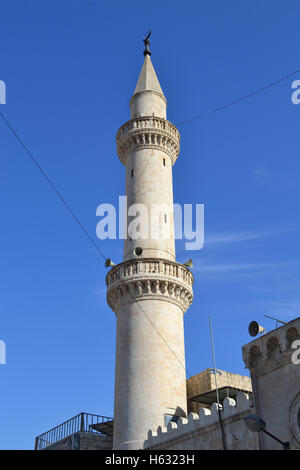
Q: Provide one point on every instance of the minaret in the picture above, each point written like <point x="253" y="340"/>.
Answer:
<point x="149" y="291"/>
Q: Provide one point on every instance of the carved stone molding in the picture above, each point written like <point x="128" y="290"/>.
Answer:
<point x="148" y="132"/>
<point x="149" y="278"/>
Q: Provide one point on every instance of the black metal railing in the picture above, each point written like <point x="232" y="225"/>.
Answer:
<point x="86" y="422"/>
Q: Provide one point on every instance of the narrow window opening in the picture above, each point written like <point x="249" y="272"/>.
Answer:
<point x="131" y="173"/>
<point x="165" y="218"/>
<point x="164" y="161"/>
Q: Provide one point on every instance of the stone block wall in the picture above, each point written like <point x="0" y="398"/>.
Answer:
<point x="83" y="441"/>
<point x="205" y="381"/>
<point x="276" y="383"/>
<point x="202" y="431"/>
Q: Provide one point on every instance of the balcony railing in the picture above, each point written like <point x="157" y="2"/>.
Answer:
<point x="85" y="422"/>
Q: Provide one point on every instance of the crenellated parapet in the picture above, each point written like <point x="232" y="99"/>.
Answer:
<point x="202" y="431"/>
<point x="148" y="132"/>
<point x="148" y="278"/>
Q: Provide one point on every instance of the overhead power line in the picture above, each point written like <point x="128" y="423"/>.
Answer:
<point x="51" y="184"/>
<point x="82" y="227"/>
<point x="75" y="216"/>
<point x="158" y="332"/>
<point x="243" y="98"/>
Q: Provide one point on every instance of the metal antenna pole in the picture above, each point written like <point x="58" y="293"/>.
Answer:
<point x="214" y="362"/>
<point x="276" y="319"/>
<point x="216" y="384"/>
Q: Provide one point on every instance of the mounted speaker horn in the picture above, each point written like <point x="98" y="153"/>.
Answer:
<point x="138" y="251"/>
<point x="254" y="328"/>
<point x="109" y="263"/>
<point x="189" y="264"/>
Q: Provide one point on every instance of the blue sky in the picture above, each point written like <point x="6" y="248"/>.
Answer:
<point x="70" y="68"/>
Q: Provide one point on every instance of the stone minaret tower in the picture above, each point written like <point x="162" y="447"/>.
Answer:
<point x="149" y="291"/>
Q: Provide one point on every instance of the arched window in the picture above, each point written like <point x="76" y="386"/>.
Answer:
<point x="291" y="335"/>
<point x="273" y="348"/>
<point x="255" y="357"/>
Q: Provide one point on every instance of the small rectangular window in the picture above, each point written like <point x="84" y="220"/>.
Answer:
<point x="165" y="218"/>
<point x="164" y="161"/>
<point x="131" y="173"/>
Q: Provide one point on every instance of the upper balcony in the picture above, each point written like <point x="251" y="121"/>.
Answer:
<point x="148" y="132"/>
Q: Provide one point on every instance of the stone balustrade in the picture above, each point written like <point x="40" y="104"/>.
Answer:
<point x="148" y="132"/>
<point x="147" y="278"/>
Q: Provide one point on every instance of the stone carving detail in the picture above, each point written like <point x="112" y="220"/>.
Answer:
<point x="148" y="132"/>
<point x="149" y="279"/>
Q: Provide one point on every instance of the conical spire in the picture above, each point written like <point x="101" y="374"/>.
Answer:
<point x="148" y="80"/>
<point x="148" y="98"/>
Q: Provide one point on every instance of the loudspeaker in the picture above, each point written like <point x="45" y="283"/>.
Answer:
<point x="109" y="263"/>
<point x="254" y="328"/>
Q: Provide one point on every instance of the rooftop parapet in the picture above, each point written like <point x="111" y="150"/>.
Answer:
<point x="196" y="424"/>
<point x="272" y="349"/>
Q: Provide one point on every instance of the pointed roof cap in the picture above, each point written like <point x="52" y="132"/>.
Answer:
<point x="148" y="80"/>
